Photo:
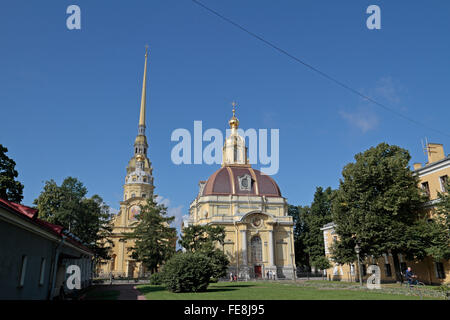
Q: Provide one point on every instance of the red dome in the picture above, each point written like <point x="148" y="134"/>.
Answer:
<point x="225" y="181"/>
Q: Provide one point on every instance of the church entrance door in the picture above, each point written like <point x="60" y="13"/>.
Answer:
<point x="258" y="273"/>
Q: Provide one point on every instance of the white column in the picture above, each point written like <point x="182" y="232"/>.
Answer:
<point x="244" y="246"/>
<point x="270" y="248"/>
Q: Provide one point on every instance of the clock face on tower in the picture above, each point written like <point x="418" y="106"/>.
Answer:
<point x="133" y="212"/>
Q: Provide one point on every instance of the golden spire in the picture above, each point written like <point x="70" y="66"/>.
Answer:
<point x="144" y="82"/>
<point x="234" y="122"/>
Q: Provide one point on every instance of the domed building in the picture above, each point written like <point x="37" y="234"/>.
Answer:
<point x="249" y="204"/>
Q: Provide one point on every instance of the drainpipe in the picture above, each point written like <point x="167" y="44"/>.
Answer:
<point x="54" y="268"/>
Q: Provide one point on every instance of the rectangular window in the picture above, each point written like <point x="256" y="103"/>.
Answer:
<point x="387" y="270"/>
<point x="42" y="274"/>
<point x="364" y="270"/>
<point x="144" y="195"/>
<point x="23" y="271"/>
<point x="443" y="180"/>
<point x="426" y="188"/>
<point x="440" y="270"/>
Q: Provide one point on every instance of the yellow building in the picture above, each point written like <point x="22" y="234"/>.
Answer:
<point x="249" y="204"/>
<point x="432" y="179"/>
<point x="137" y="189"/>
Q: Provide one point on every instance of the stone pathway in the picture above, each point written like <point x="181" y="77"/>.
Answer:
<point x="129" y="292"/>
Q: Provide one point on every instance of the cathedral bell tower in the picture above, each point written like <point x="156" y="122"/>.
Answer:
<point x="139" y="180"/>
<point x="137" y="189"/>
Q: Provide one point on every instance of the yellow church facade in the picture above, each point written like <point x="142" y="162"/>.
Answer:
<point x="432" y="179"/>
<point x="249" y="205"/>
<point x="137" y="189"/>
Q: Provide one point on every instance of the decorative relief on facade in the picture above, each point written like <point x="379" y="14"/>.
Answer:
<point x="257" y="222"/>
<point x="135" y="210"/>
<point x="245" y="183"/>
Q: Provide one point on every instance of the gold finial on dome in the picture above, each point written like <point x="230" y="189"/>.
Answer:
<point x="234" y="122"/>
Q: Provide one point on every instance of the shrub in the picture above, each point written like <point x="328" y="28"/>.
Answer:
<point x="219" y="263"/>
<point x="156" y="279"/>
<point x="187" y="272"/>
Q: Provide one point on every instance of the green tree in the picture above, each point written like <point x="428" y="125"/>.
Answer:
<point x="10" y="189"/>
<point x="209" y="241"/>
<point x="86" y="218"/>
<point x="197" y="237"/>
<point x="298" y="214"/>
<point x="435" y="231"/>
<point x="377" y="206"/>
<point x="62" y="204"/>
<point x="154" y="239"/>
<point x="443" y="205"/>
<point x="316" y="218"/>
<point x="309" y="243"/>
<point x="94" y="226"/>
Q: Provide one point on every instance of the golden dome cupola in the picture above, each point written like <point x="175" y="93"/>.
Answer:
<point x="234" y="122"/>
<point x="234" y="149"/>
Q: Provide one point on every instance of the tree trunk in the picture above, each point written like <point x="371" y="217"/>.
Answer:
<point x="397" y="268"/>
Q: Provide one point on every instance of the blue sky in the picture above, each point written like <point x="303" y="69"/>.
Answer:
<point x="69" y="100"/>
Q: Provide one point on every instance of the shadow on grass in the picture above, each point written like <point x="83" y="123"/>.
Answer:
<point x="226" y="288"/>
<point x="102" y="295"/>
<point x="236" y="286"/>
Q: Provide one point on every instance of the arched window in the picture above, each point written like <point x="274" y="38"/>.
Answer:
<point x="256" y="248"/>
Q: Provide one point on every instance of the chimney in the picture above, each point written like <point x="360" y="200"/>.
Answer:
<point x="417" y="165"/>
<point x="435" y="152"/>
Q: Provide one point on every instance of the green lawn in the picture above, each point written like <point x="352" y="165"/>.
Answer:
<point x="261" y="290"/>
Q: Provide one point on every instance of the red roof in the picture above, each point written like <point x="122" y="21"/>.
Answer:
<point x="32" y="214"/>
<point x="225" y="181"/>
<point x="27" y="211"/>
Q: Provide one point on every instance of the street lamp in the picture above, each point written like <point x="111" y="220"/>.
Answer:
<point x="358" y="250"/>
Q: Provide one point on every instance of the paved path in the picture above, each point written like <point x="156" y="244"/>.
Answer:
<point x="129" y="292"/>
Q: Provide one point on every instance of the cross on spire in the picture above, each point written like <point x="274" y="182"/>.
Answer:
<point x="234" y="104"/>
